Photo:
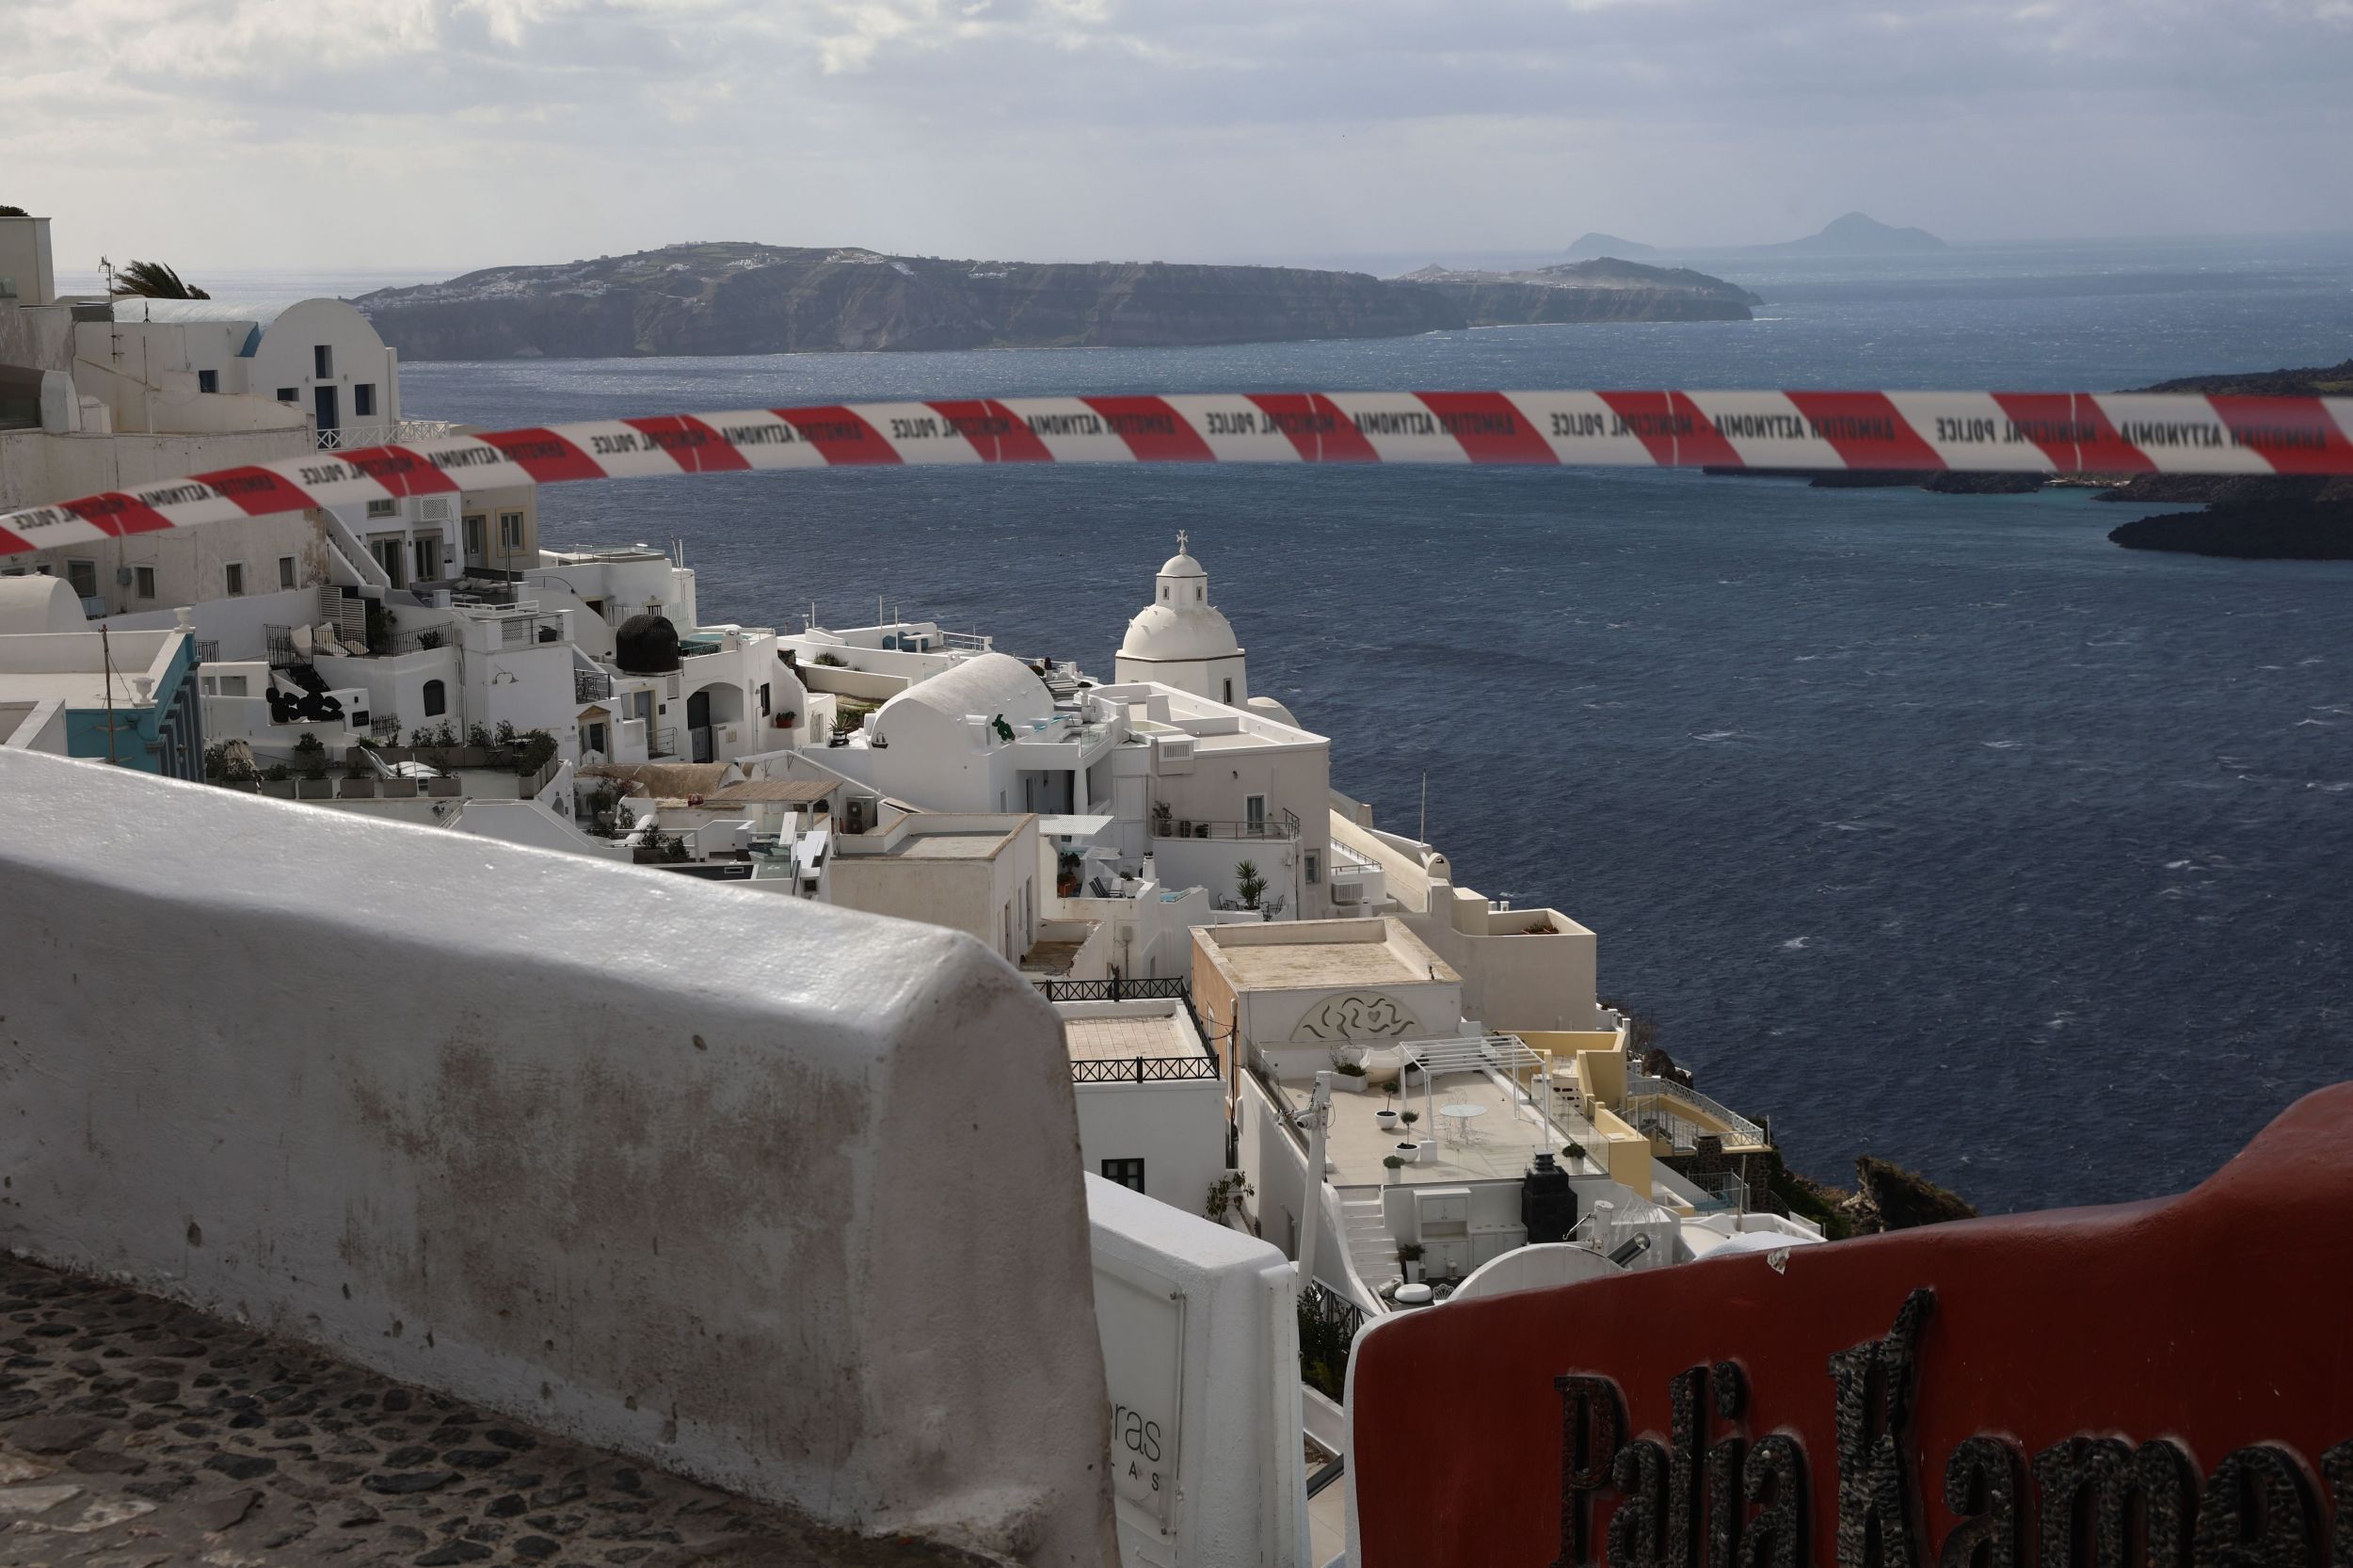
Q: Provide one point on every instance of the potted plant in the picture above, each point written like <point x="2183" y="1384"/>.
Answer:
<point x="1348" y="1074"/>
<point x="1393" y="1164"/>
<point x="1571" y="1151"/>
<point x="1386" y="1116"/>
<point x="1067" y="865"/>
<point x="278" y="780"/>
<point x="1163" y="822"/>
<point x="1409" y="1254"/>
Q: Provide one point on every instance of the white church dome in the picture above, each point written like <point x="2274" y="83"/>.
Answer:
<point x="1164" y="632"/>
<point x="1180" y="623"/>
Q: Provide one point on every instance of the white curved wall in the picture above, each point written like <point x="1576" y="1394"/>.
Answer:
<point x="773" y="1194"/>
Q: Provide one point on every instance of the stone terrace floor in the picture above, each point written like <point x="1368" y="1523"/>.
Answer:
<point x="135" y="1433"/>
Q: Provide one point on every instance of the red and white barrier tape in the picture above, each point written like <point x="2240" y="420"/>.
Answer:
<point x="1998" y="432"/>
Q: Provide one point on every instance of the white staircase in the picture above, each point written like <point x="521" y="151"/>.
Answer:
<point x="1369" y="1247"/>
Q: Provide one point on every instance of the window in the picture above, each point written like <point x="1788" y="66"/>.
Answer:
<point x="285" y="571"/>
<point x="290" y="394"/>
<point x="473" y="536"/>
<point x="363" y="398"/>
<point x="208" y="380"/>
<point x="428" y="553"/>
<point x="233" y="577"/>
<point x="1314" y="864"/>
<point x="323" y="362"/>
<point x="1127" y="1173"/>
<point x="436" y="699"/>
<point x="386" y="509"/>
<point x="1254" y="812"/>
<point x="1163" y="594"/>
<point x="146" y="576"/>
<point x="1198" y="594"/>
<point x="764" y="700"/>
<point x="510" y="530"/>
<point x="233" y="685"/>
<point x="83" y="577"/>
<point x="1229" y="694"/>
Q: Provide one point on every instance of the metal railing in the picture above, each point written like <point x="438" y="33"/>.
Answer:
<point x="1649" y="1096"/>
<point x="1721" y="1191"/>
<point x="1328" y="1325"/>
<point x="351" y="437"/>
<point x="1285" y="826"/>
<point x="1116" y="989"/>
<point x="1178" y="988"/>
<point x="591" y="686"/>
<point x="523" y="630"/>
<point x="967" y="641"/>
<point x="386" y="728"/>
<point x="1144" y="1069"/>
<point x="662" y="742"/>
<point x="207" y="650"/>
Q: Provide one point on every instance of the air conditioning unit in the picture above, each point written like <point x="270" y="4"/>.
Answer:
<point x="1348" y="892"/>
<point x="1172" y="753"/>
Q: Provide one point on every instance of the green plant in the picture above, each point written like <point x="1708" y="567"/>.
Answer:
<point x="533" y="750"/>
<point x="831" y="662"/>
<point x="845" y="724"/>
<point x="1164" y="820"/>
<point x="1386" y="1083"/>
<point x="308" y="745"/>
<point x="478" y="736"/>
<point x="277" y="773"/>
<point x="1393" y="1161"/>
<point x="1248" y="885"/>
<point x="1408" y="1252"/>
<point x="153" y="280"/>
<point x="506" y="736"/>
<point x="1347" y="1066"/>
<point x="1226" y="1196"/>
<point x="1409" y="1118"/>
<point x="1572" y="1150"/>
<point x="429" y="638"/>
<point x="314" y="767"/>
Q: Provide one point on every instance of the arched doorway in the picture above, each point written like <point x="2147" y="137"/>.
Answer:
<point x="709" y="711"/>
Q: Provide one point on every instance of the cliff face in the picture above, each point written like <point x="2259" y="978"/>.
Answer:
<point x="737" y="298"/>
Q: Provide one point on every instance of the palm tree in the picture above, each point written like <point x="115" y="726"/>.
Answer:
<point x="153" y="280"/>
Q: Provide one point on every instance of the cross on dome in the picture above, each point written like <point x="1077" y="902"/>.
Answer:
<point x="1181" y="538"/>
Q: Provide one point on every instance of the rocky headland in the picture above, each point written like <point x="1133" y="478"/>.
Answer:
<point x="747" y="298"/>
<point x="2275" y="517"/>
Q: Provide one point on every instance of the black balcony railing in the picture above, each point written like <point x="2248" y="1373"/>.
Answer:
<point x="1116" y="989"/>
<point x="1282" y="827"/>
<point x="1144" y="1069"/>
<point x="591" y="685"/>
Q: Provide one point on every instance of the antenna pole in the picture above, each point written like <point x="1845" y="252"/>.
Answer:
<point x="106" y="658"/>
<point x="1424" y="834"/>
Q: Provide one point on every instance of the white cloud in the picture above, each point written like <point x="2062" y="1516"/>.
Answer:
<point x="452" y="132"/>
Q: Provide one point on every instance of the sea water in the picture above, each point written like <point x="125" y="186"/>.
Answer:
<point x="1936" y="828"/>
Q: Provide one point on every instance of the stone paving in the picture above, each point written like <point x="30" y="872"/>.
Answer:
<point x="136" y="1433"/>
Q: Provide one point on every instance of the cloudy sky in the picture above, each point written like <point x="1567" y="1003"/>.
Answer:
<point x="436" y="135"/>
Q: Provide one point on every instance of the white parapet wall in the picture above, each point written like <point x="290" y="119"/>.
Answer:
<point x="776" y="1196"/>
<point x="1201" y="1347"/>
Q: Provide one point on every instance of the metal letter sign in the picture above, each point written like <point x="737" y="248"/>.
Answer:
<point x="2165" y="1385"/>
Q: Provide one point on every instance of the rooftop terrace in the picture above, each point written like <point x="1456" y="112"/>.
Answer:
<point x="1324" y="954"/>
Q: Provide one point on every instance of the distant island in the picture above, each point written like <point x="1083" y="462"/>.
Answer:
<point x="1591" y="246"/>
<point x="739" y="297"/>
<point x="1855" y="234"/>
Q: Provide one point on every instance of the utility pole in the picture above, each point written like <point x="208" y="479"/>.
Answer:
<point x="106" y="658"/>
<point x="1318" y="1114"/>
